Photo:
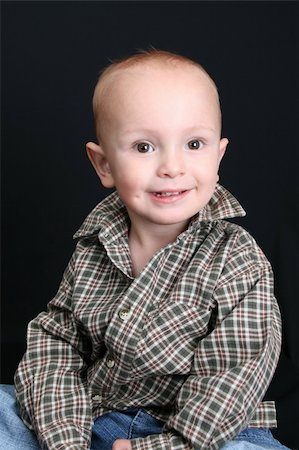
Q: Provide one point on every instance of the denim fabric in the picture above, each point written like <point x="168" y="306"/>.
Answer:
<point x="254" y="439"/>
<point x="14" y="435"/>
<point x="123" y="425"/>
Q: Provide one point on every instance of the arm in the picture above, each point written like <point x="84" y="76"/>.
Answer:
<point x="233" y="365"/>
<point x="50" y="384"/>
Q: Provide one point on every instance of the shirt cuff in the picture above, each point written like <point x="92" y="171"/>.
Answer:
<point x="163" y="441"/>
<point x="65" y="438"/>
<point x="264" y="416"/>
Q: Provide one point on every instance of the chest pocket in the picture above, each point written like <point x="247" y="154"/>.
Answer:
<point x="168" y="340"/>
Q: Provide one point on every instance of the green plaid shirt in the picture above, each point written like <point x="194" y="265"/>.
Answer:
<point x="194" y="339"/>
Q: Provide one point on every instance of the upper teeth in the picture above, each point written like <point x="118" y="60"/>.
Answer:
<point x="167" y="194"/>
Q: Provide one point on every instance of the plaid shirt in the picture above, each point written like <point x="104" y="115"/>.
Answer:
<point x="194" y="339"/>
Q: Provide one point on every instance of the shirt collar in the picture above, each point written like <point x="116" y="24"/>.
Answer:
<point x="110" y="219"/>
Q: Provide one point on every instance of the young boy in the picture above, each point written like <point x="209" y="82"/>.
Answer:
<point x="165" y="332"/>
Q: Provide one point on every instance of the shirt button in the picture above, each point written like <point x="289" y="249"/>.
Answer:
<point x="124" y="314"/>
<point x="110" y="363"/>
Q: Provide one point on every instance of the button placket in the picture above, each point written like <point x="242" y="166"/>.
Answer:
<point x="137" y="297"/>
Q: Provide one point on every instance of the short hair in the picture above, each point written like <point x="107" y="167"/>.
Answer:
<point x="150" y="57"/>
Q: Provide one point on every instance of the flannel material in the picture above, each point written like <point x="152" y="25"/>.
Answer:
<point x="194" y="339"/>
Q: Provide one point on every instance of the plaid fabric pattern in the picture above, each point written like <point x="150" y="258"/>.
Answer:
<point x="194" y="339"/>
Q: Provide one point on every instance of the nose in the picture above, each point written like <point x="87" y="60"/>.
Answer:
<point x="171" y="165"/>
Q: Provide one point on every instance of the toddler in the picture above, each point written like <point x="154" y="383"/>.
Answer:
<point x="164" y="333"/>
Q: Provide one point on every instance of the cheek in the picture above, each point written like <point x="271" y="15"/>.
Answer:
<point x="207" y="173"/>
<point x="129" y="181"/>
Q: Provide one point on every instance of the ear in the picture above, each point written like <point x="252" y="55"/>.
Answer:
<point x="222" y="148"/>
<point x="99" y="161"/>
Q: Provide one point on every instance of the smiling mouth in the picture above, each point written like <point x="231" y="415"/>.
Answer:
<point x="168" y="194"/>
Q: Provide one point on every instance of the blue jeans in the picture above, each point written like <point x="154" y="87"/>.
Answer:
<point x="14" y="435"/>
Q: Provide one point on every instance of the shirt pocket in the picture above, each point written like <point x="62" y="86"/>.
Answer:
<point x="169" y="339"/>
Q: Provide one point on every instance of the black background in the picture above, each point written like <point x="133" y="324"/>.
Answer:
<point x="51" y="55"/>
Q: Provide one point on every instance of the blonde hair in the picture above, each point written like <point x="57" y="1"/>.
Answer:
<point x="149" y="58"/>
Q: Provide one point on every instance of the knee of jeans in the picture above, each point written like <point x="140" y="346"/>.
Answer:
<point x="7" y="390"/>
<point x="261" y="437"/>
<point x="253" y="434"/>
<point x="8" y="397"/>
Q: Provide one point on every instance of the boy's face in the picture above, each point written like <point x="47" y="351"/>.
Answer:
<point x="160" y="143"/>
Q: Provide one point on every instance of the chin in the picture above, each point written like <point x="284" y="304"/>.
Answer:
<point x="172" y="220"/>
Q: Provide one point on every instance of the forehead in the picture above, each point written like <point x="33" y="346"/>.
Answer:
<point x="145" y="90"/>
<point x="148" y="74"/>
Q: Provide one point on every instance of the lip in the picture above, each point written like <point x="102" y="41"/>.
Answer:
<point x="175" y="195"/>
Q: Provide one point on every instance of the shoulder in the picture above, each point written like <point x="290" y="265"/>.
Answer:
<point x="242" y="242"/>
<point x="244" y="257"/>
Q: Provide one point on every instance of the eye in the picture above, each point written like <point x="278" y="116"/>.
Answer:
<point x="195" y="144"/>
<point x="144" y="147"/>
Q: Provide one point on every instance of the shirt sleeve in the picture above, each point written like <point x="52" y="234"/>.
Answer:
<point x="233" y="365"/>
<point x="50" y="384"/>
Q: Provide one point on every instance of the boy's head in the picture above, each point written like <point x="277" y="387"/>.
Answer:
<point x="158" y="124"/>
<point x="144" y="61"/>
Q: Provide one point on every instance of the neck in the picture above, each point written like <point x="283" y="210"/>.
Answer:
<point x="144" y="242"/>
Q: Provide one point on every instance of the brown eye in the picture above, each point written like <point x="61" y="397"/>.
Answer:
<point x="195" y="144"/>
<point x="144" y="147"/>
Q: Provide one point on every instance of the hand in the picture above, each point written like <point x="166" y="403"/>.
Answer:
<point x="122" y="444"/>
